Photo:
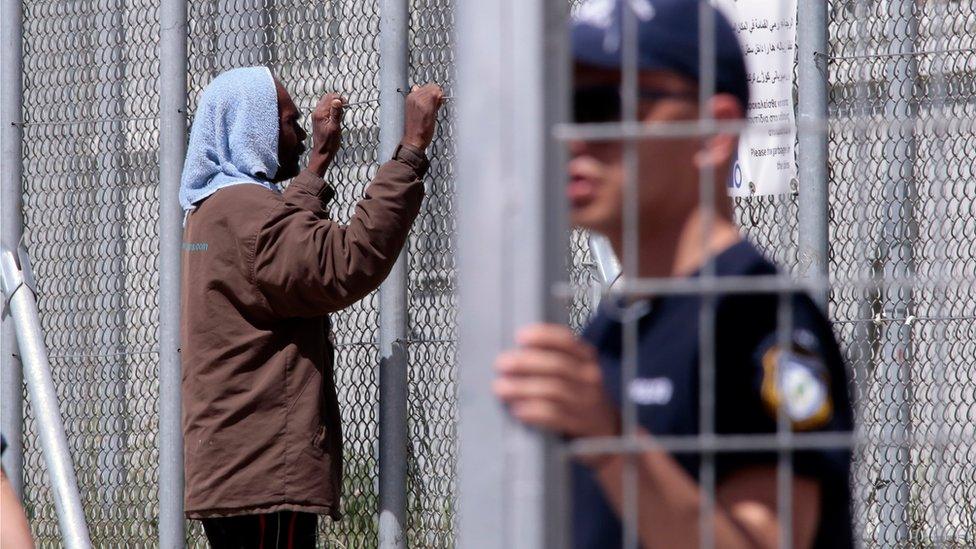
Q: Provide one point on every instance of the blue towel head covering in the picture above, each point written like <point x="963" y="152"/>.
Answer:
<point x="234" y="138"/>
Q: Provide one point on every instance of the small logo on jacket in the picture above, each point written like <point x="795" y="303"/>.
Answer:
<point x="648" y="391"/>
<point x="195" y="246"/>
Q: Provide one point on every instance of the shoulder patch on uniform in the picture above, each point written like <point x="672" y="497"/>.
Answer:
<point x="797" y="379"/>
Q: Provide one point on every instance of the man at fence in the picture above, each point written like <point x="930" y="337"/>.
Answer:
<point x="261" y="270"/>
<point x="574" y="386"/>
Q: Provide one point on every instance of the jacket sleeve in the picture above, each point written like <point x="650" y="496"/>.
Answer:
<point x="309" y="192"/>
<point x="306" y="265"/>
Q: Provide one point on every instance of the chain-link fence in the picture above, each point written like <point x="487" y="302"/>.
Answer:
<point x="91" y="105"/>
<point x="90" y="209"/>
<point x="432" y="301"/>
<point x="895" y="211"/>
<point x="902" y="190"/>
<point x="902" y="199"/>
<point x="902" y="203"/>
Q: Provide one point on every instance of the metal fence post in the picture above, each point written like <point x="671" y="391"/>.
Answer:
<point x="394" y="17"/>
<point x="172" y="149"/>
<point x="11" y="173"/>
<point x="811" y="43"/>
<point x="18" y="291"/>
<point x="512" y="75"/>
<point x="481" y="166"/>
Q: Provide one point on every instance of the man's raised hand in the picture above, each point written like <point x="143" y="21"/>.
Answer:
<point x="420" y="117"/>
<point x="326" y="132"/>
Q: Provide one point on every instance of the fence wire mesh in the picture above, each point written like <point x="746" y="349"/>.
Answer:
<point x="90" y="195"/>
<point x="902" y="197"/>
<point x="432" y="305"/>
<point x="902" y="80"/>
<point x="902" y="203"/>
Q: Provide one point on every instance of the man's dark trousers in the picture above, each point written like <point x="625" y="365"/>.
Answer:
<point x="281" y="530"/>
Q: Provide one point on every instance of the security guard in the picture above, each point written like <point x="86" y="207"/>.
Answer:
<point x="574" y="386"/>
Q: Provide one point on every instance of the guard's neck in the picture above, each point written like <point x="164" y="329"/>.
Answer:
<point x="681" y="250"/>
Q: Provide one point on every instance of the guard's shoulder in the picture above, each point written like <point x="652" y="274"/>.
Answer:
<point x="744" y="259"/>
<point x="800" y="367"/>
<point x="743" y="311"/>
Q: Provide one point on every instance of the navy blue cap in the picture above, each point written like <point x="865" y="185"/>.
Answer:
<point x="668" y="38"/>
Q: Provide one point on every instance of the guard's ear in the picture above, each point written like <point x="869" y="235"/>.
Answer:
<point x="719" y="149"/>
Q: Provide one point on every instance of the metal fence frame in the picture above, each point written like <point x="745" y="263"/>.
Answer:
<point x="21" y="305"/>
<point x="506" y="154"/>
<point x="172" y="150"/>
<point x="393" y="337"/>
<point x="393" y="300"/>
<point x="813" y="202"/>
<point x="510" y="485"/>
<point x="11" y="192"/>
<point x="812" y="263"/>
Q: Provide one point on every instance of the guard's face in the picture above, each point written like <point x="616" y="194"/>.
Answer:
<point x="597" y="169"/>
<point x="291" y="136"/>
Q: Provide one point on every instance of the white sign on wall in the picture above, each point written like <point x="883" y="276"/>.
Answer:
<point x="767" y="31"/>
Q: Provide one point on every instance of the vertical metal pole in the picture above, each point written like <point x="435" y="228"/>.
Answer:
<point x="172" y="150"/>
<point x="17" y="289"/>
<point x="538" y="54"/>
<point x="482" y="330"/>
<point x="630" y="262"/>
<point x="707" y="419"/>
<point x="512" y="74"/>
<point x="811" y="42"/>
<point x="898" y="259"/>
<point x="393" y="294"/>
<point x="11" y="173"/>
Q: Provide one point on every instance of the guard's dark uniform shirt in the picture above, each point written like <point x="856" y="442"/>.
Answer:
<point x="813" y="386"/>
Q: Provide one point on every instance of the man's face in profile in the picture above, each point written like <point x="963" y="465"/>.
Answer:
<point x="291" y="136"/>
